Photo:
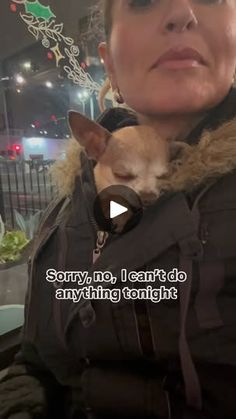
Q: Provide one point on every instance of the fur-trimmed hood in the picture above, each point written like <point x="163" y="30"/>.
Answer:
<point x="212" y="157"/>
<point x="211" y="152"/>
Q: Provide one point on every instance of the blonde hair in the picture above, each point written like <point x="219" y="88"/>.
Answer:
<point x="106" y="87"/>
<point x="106" y="7"/>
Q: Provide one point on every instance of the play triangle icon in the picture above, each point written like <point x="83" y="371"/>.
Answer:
<point x="116" y="209"/>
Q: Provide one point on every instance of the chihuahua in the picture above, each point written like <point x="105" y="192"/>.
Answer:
<point x="133" y="156"/>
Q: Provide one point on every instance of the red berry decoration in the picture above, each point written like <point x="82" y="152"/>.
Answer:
<point x="50" y="55"/>
<point x="13" y="8"/>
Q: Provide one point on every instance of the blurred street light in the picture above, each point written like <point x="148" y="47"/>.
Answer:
<point x="49" y="84"/>
<point x="83" y="97"/>
<point x="19" y="79"/>
<point x="27" y="65"/>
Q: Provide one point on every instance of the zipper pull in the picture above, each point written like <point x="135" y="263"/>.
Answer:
<point x="204" y="233"/>
<point x="101" y="240"/>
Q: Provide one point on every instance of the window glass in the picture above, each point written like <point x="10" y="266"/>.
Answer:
<point x="49" y="64"/>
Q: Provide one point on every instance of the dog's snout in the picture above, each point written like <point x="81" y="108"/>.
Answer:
<point x="148" y="197"/>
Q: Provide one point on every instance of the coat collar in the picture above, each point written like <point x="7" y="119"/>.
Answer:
<point x="224" y="111"/>
<point x="212" y="151"/>
<point x="116" y="118"/>
<point x="208" y="159"/>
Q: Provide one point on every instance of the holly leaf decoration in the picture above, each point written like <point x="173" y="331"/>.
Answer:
<point x="38" y="10"/>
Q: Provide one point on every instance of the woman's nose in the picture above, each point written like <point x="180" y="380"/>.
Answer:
<point x="179" y="16"/>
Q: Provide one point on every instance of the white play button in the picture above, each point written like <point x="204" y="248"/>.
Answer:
<point x="116" y="209"/>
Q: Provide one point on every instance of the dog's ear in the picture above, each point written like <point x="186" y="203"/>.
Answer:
<point x="92" y="136"/>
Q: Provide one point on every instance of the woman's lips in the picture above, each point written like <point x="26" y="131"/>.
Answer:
<point x="176" y="58"/>
<point x="178" y="64"/>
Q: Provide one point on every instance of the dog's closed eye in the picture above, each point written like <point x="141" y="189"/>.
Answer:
<point x="125" y="176"/>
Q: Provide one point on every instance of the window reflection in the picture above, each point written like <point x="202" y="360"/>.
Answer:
<point x="48" y="64"/>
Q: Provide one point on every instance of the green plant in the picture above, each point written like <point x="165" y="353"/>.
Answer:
<point x="28" y="226"/>
<point x="11" y="244"/>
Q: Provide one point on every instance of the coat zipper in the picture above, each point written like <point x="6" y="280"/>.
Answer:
<point x="100" y="243"/>
<point x="100" y="237"/>
<point x="204" y="233"/>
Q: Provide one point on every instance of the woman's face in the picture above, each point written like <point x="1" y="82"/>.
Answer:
<point x="143" y="30"/>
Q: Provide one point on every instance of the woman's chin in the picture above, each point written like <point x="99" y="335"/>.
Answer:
<point x="173" y="101"/>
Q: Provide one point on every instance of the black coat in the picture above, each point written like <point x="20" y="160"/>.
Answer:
<point x="139" y="358"/>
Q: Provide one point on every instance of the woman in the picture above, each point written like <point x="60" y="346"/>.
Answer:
<point x="173" y="63"/>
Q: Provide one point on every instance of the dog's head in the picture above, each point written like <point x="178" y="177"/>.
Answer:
<point x="133" y="156"/>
